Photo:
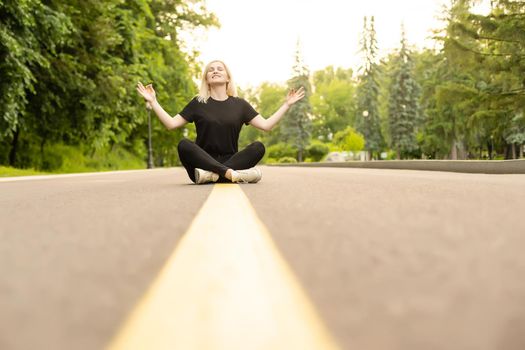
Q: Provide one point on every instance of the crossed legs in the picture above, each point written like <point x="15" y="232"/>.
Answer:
<point x="192" y="156"/>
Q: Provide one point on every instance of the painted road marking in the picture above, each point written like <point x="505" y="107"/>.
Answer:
<point x="225" y="287"/>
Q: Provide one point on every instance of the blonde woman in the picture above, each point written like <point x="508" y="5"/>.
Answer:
<point x="219" y="115"/>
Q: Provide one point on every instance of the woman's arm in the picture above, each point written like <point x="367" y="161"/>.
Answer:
<point x="267" y="124"/>
<point x="169" y="122"/>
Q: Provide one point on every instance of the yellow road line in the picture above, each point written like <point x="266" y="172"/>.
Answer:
<point x="225" y="287"/>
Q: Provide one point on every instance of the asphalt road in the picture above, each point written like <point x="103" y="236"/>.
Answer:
<point x="392" y="259"/>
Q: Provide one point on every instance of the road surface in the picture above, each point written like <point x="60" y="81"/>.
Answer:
<point x="390" y="259"/>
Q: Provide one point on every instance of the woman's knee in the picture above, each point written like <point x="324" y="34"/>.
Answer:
<point x="259" y="148"/>
<point x="184" y="145"/>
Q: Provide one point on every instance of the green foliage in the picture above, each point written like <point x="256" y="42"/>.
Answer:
<point x="403" y="104"/>
<point x="464" y="101"/>
<point x="287" y="160"/>
<point x="296" y="127"/>
<point x="516" y="133"/>
<point x="486" y="52"/>
<point x="317" y="150"/>
<point x="333" y="103"/>
<point x="349" y="140"/>
<point x="367" y="118"/>
<point x="281" y="150"/>
<point x="9" y="171"/>
<point x="267" y="98"/>
<point x="29" y="35"/>
<point x="71" y="68"/>
<point x="62" y="158"/>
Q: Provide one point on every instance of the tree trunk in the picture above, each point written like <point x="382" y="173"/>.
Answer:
<point x="506" y="151"/>
<point x="398" y="154"/>
<point x="300" y="156"/>
<point x="513" y="145"/>
<point x="14" y="147"/>
<point x="42" y="146"/>
<point x="454" y="151"/>
<point x="489" y="144"/>
<point x="520" y="151"/>
<point x="462" y="151"/>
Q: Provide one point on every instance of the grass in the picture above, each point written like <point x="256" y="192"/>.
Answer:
<point x="8" y="172"/>
<point x="64" y="159"/>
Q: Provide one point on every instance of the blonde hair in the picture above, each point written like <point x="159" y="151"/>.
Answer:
<point x="204" y="92"/>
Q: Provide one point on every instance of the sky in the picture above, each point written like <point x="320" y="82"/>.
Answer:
<point x="257" y="39"/>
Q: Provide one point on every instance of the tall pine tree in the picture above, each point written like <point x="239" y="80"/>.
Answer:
<point x="403" y="104"/>
<point x="491" y="48"/>
<point x="368" y="121"/>
<point x="297" y="124"/>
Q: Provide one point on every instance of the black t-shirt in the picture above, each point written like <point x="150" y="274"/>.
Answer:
<point x="218" y="123"/>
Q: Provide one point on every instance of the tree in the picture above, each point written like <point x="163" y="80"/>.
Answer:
<point x="516" y="135"/>
<point x="368" y="120"/>
<point x="266" y="98"/>
<point x="73" y="66"/>
<point x="333" y="102"/>
<point x="296" y="126"/>
<point x="29" y="35"/>
<point x="491" y="47"/>
<point x="403" y="107"/>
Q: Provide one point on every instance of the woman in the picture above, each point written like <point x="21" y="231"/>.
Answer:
<point x="218" y="115"/>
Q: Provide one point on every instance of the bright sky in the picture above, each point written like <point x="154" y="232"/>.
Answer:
<point x="257" y="39"/>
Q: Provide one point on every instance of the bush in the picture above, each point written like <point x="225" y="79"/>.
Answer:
<point x="391" y="155"/>
<point x="62" y="158"/>
<point x="317" y="150"/>
<point x="349" y="140"/>
<point x="72" y="159"/>
<point x="280" y="150"/>
<point x="9" y="171"/>
<point x="269" y="160"/>
<point x="51" y="161"/>
<point x="115" y="159"/>
<point x="287" y="160"/>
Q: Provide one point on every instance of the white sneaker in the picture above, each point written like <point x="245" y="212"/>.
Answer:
<point x="245" y="176"/>
<point x="204" y="176"/>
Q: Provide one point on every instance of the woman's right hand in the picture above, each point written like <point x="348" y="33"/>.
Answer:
<point x="148" y="93"/>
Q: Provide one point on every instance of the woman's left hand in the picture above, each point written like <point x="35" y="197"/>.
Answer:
<point x="294" y="96"/>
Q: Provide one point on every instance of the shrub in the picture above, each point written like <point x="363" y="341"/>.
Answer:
<point x="317" y="150"/>
<point x="270" y="161"/>
<point x="287" y="160"/>
<point x="62" y="158"/>
<point x="280" y="150"/>
<point x="349" y="140"/>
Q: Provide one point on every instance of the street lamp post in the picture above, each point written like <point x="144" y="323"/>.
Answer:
<point x="150" y="149"/>
<point x="365" y="116"/>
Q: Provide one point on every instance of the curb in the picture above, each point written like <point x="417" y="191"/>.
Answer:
<point x="459" y="166"/>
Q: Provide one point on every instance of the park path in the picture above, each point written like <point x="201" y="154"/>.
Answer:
<point x="385" y="259"/>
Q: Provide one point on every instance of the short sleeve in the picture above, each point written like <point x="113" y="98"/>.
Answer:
<point x="248" y="112"/>
<point x="189" y="111"/>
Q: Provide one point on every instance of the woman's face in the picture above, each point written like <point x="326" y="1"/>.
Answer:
<point x="217" y="74"/>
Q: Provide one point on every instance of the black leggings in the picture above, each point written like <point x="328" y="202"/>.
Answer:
<point x="192" y="156"/>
